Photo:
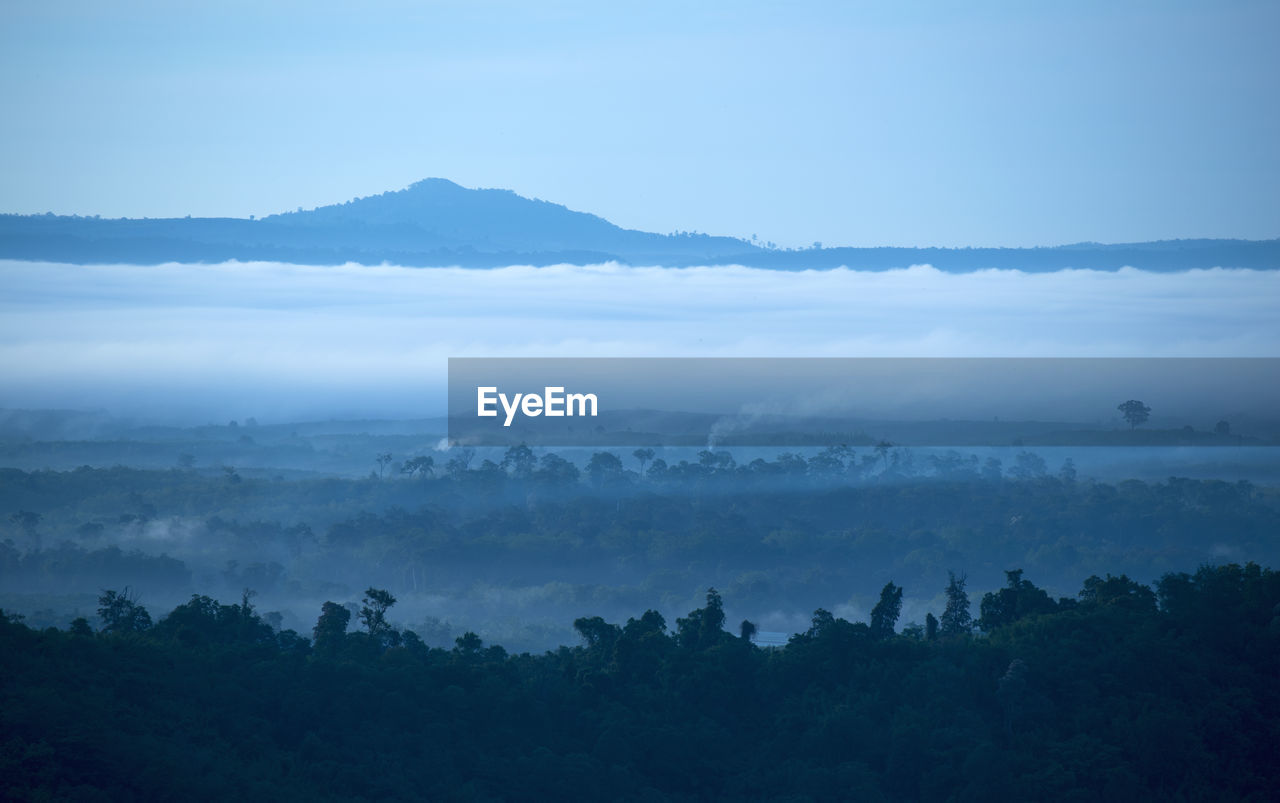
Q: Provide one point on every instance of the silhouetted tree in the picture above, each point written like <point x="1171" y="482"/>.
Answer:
<point x="459" y="462"/>
<point x="1117" y="591"/>
<point x="747" y="630"/>
<point x="555" y="470"/>
<point x="1134" y="412"/>
<point x="703" y="627"/>
<point x="331" y="628"/>
<point x="604" y="468"/>
<point x="643" y="456"/>
<point x="519" y="461"/>
<point x="121" y="613"/>
<point x="930" y="627"/>
<point x="1019" y="598"/>
<point x="956" y="619"/>
<point x="885" y="614"/>
<point x="821" y="622"/>
<point x="423" y="465"/>
<point x="597" y="633"/>
<point x="468" y="645"/>
<point x="373" y="613"/>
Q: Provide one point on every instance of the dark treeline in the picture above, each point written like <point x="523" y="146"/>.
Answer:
<point x="1122" y="692"/>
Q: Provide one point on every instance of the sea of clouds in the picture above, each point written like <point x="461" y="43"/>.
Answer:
<point x="188" y="343"/>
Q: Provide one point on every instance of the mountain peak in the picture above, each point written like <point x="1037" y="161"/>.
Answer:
<point x="436" y="213"/>
<point x="441" y="206"/>
<point x="434" y="185"/>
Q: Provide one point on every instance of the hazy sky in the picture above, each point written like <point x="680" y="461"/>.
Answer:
<point x="195" y="343"/>
<point x="904" y="123"/>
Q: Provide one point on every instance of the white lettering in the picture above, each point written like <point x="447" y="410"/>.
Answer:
<point x="581" y="400"/>
<point x="510" y="408"/>
<point x="483" y="400"/>
<point x="553" y="402"/>
<point x="555" y="395"/>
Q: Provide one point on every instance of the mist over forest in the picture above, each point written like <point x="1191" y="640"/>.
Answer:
<point x="241" y="475"/>
<point x="514" y="543"/>
<point x="688" y="623"/>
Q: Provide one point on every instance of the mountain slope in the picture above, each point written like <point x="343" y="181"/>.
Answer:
<point x="436" y="213"/>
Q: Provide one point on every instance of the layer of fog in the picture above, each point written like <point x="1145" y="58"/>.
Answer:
<point x="194" y="343"/>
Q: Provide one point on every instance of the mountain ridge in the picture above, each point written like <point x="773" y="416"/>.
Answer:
<point x="438" y="223"/>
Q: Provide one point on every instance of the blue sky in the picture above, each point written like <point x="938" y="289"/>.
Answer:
<point x="849" y="123"/>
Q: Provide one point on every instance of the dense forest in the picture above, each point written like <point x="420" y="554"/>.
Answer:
<point x="515" y="547"/>
<point x="1121" y="692"/>
<point x="873" y="624"/>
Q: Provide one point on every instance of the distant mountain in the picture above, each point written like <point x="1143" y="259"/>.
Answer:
<point x="436" y="213"/>
<point x="438" y="223"/>
<point x="431" y="223"/>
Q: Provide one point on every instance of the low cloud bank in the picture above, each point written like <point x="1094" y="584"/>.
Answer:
<point x="188" y="343"/>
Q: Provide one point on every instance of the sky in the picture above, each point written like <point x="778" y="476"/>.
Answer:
<point x="849" y="123"/>
<point x="193" y="344"/>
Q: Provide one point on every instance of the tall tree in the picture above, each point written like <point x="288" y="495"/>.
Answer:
<point x="643" y="456"/>
<point x="885" y="614"/>
<point x="373" y="612"/>
<point x="519" y="461"/>
<point x="703" y="627"/>
<point x="956" y="619"/>
<point x="331" y="628"/>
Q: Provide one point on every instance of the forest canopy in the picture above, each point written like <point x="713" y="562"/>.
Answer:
<point x="1121" y="692"/>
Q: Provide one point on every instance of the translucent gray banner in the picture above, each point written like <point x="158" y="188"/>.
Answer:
<point x="852" y="401"/>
